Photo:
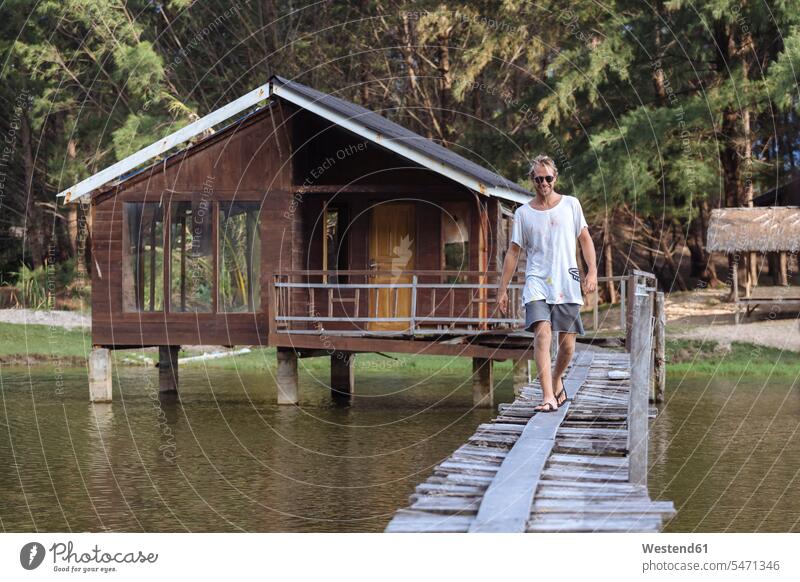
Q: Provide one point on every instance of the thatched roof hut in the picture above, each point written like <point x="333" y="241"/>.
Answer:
<point x="772" y="229"/>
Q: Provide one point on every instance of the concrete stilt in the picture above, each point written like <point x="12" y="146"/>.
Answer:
<point x="342" y="374"/>
<point x="287" y="376"/>
<point x="168" y="368"/>
<point x="521" y="375"/>
<point x="100" y="375"/>
<point x="482" y="383"/>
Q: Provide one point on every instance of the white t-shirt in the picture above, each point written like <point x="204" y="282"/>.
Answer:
<point x="549" y="239"/>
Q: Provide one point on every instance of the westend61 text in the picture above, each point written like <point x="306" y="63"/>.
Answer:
<point x="670" y="549"/>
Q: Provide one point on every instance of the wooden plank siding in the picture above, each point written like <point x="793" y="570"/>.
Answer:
<point x="250" y="162"/>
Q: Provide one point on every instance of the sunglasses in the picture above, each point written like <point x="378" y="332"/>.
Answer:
<point x="540" y="179"/>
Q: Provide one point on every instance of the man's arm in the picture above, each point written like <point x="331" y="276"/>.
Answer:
<point x="589" y="255"/>
<point x="509" y="266"/>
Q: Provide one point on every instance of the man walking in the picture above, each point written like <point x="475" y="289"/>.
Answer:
<point x="547" y="228"/>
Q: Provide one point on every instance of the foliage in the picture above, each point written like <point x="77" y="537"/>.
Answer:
<point x="40" y="287"/>
<point x="658" y="111"/>
<point x="33" y="287"/>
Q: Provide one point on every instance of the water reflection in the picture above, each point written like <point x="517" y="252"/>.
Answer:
<point x="727" y="452"/>
<point x="224" y="457"/>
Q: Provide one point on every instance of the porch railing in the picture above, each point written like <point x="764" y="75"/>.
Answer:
<point x="395" y="302"/>
<point x="407" y="302"/>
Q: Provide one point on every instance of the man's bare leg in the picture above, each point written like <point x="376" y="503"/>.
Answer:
<point x="541" y="354"/>
<point x="566" y="348"/>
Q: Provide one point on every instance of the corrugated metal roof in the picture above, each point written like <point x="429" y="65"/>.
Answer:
<point x="353" y="117"/>
<point x="399" y="139"/>
<point x="183" y="151"/>
<point x="775" y="228"/>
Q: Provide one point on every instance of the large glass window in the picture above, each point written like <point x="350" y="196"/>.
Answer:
<point x="240" y="257"/>
<point x="455" y="238"/>
<point x="192" y="256"/>
<point x="143" y="257"/>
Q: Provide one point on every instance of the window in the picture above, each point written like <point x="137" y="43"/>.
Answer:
<point x="455" y="238"/>
<point x="334" y="244"/>
<point x="143" y="258"/>
<point x="191" y="256"/>
<point x="240" y="257"/>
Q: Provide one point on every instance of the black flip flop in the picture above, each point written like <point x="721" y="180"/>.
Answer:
<point x="562" y="392"/>
<point x="550" y="408"/>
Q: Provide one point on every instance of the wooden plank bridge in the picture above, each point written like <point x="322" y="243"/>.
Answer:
<point x="582" y="468"/>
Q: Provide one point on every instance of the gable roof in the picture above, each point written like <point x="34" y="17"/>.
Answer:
<point x="195" y="147"/>
<point x="355" y="118"/>
<point x="399" y="139"/>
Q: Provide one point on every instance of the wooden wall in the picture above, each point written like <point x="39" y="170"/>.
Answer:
<point x="250" y="162"/>
<point x="292" y="161"/>
<point x="327" y="154"/>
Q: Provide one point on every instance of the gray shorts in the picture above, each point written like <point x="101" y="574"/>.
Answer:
<point x="563" y="317"/>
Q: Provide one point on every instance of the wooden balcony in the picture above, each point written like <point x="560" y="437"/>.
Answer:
<point x="390" y="303"/>
<point x="433" y="312"/>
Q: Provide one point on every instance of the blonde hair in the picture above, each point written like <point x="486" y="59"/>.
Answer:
<point x="543" y="160"/>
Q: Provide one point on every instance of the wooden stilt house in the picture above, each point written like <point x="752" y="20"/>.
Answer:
<point x="310" y="224"/>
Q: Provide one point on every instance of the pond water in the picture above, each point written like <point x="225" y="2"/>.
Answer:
<point x="726" y="450"/>
<point x="227" y="458"/>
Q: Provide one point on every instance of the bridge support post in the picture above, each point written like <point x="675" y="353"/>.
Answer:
<point x="100" y="375"/>
<point x="659" y="348"/>
<point x="629" y="292"/>
<point x="521" y="375"/>
<point x="342" y="374"/>
<point x="783" y="268"/>
<point x="168" y="369"/>
<point x="735" y="284"/>
<point x="287" y="376"/>
<point x="482" y="383"/>
<point x="638" y="403"/>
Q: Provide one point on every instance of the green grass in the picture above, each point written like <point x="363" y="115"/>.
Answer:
<point x="264" y="358"/>
<point x="710" y="358"/>
<point x="683" y="356"/>
<point x="42" y="345"/>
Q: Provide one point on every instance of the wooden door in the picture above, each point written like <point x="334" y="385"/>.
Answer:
<point x="392" y="249"/>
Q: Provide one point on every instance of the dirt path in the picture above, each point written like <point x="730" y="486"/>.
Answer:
<point x="706" y="315"/>
<point x="66" y="319"/>
<point x="781" y="334"/>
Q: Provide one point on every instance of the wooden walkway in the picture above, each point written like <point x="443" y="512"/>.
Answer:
<point x="553" y="472"/>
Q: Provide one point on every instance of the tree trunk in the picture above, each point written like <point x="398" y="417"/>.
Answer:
<point x="702" y="261"/>
<point x="445" y="89"/>
<point x="729" y="153"/>
<point x="32" y="226"/>
<point x="608" y="254"/>
<point x="705" y="212"/>
<point x="747" y="146"/>
<point x="673" y="267"/>
<point x="658" y="72"/>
